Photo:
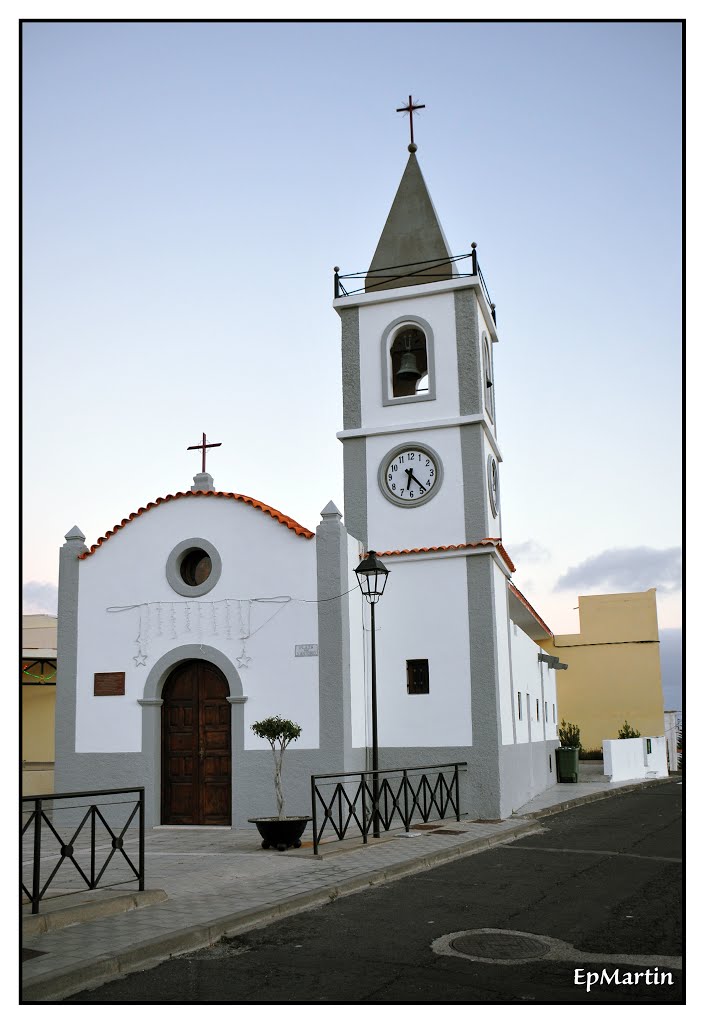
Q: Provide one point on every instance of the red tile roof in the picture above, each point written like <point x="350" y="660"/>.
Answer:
<point x="495" y="542"/>
<point x="291" y="524"/>
<point x="518" y="594"/>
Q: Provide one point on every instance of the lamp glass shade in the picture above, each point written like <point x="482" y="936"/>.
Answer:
<point x="372" y="577"/>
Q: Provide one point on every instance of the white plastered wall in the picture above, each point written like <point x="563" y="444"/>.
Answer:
<point x="261" y="558"/>
<point x="504" y="680"/>
<point x="440" y="521"/>
<point x="412" y="623"/>
<point x="439" y="312"/>
<point x="359" y="694"/>
<point x="532" y="677"/>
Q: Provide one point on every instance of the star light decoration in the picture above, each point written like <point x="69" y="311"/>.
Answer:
<point x="243" y="661"/>
<point x="139" y="659"/>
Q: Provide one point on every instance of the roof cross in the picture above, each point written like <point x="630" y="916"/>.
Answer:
<point x="203" y="446"/>
<point x="409" y="109"/>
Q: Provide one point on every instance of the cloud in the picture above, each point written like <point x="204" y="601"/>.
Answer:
<point x="528" y="551"/>
<point x="671" y="650"/>
<point x="39" y="598"/>
<point x="626" y="569"/>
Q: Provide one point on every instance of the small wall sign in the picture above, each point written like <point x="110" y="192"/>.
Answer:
<point x="306" y="650"/>
<point x="109" y="684"/>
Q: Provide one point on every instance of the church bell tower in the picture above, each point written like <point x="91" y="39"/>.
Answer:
<point x="421" y="459"/>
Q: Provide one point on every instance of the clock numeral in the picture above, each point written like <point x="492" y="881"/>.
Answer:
<point x="389" y="477"/>
<point x="395" y="467"/>
<point x="430" y="472"/>
<point x="428" y="483"/>
<point x="401" y="458"/>
<point x="394" y="487"/>
<point x="428" y="462"/>
<point x="411" y="456"/>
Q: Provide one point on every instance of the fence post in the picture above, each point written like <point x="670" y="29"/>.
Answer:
<point x="474" y="258"/>
<point x="364" y="808"/>
<point x="457" y="792"/>
<point x="141" y="839"/>
<point x="406" y="801"/>
<point x="92" y="846"/>
<point x="313" y="815"/>
<point x="336" y="286"/>
<point x="36" y="877"/>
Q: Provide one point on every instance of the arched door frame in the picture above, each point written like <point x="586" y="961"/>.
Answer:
<point x="151" y="715"/>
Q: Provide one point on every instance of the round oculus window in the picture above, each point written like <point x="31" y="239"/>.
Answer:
<point x="193" y="567"/>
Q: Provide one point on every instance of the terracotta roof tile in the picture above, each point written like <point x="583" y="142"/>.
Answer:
<point x="518" y="594"/>
<point x="291" y="524"/>
<point x="495" y="542"/>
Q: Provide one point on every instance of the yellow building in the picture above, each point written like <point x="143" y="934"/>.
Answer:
<point x="614" y="669"/>
<point x="38" y="682"/>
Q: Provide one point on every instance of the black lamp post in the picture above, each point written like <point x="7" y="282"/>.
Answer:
<point x="372" y="577"/>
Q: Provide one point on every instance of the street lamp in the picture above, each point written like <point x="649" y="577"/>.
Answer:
<point x="372" y="577"/>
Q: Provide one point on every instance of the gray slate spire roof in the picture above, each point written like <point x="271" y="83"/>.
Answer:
<point x="411" y="235"/>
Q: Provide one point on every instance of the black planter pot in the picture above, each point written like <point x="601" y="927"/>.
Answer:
<point x="281" y="833"/>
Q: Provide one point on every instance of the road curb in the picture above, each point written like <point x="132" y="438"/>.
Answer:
<point x="53" y="920"/>
<point x="62" y="984"/>
<point x="588" y="798"/>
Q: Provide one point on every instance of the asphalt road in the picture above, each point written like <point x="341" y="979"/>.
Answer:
<point x="604" y="878"/>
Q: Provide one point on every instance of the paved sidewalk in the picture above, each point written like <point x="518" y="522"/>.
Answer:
<point x="220" y="882"/>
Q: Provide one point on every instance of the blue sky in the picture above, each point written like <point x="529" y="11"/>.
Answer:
<point x="189" y="187"/>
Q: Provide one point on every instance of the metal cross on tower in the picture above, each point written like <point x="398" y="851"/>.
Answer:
<point x="409" y="109"/>
<point x="203" y="446"/>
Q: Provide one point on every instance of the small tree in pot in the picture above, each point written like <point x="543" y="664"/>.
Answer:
<point x="281" y="831"/>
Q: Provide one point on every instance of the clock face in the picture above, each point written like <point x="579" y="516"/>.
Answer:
<point x="410" y="474"/>
<point x="493" y="483"/>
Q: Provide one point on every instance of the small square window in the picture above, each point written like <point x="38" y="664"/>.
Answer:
<point x="417" y="676"/>
<point x="648" y="746"/>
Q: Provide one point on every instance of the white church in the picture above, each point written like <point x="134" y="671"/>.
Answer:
<point x="206" y="610"/>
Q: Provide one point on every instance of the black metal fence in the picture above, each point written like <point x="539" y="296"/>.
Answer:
<point x="76" y="856"/>
<point x="383" y="800"/>
<point x="384" y="277"/>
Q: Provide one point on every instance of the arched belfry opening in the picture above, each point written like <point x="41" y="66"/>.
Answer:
<point x="409" y="362"/>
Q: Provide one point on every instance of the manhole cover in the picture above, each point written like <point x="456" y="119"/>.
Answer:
<point x="499" y="946"/>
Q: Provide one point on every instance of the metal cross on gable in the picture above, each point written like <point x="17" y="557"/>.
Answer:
<point x="203" y="446"/>
<point x="409" y="109"/>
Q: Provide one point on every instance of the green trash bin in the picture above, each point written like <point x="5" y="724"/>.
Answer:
<point x="567" y="763"/>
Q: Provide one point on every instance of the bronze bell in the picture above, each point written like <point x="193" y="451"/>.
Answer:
<point x="408" y="369"/>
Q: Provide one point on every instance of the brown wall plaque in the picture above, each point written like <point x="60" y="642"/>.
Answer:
<point x="109" y="684"/>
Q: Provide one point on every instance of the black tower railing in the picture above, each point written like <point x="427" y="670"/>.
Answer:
<point x="79" y="849"/>
<point x="383" y="277"/>
<point x="395" y="797"/>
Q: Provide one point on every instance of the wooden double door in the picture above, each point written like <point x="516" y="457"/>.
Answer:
<point x="196" y="747"/>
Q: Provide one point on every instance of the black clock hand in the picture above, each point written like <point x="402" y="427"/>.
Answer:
<point x="410" y="474"/>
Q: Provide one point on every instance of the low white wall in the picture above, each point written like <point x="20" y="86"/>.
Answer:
<point x="629" y="759"/>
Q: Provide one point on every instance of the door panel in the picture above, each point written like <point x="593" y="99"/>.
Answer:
<point x="196" y="754"/>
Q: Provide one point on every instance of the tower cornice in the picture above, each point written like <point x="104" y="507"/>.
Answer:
<point x="408" y="428"/>
<point x="405" y="294"/>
